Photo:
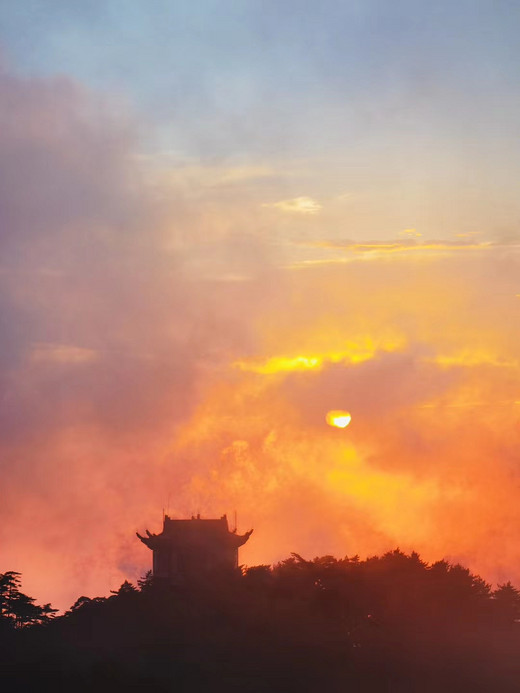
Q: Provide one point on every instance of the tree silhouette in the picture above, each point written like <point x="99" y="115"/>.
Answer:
<point x="16" y="608"/>
<point x="126" y="589"/>
<point x="389" y="622"/>
<point x="506" y="600"/>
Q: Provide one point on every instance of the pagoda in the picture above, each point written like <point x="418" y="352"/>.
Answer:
<point x="187" y="550"/>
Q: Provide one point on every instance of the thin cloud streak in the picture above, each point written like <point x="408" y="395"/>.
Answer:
<point x="410" y="246"/>
<point x="296" y="205"/>
<point x="328" y="252"/>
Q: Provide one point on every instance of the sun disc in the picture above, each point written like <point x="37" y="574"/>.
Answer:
<point x="338" y="418"/>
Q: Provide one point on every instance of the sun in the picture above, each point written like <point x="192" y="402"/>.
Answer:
<point x="338" y="418"/>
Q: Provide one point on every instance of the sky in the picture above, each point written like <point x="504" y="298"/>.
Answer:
<point x="220" y="221"/>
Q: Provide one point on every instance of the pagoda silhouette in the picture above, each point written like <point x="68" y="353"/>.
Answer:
<point x="188" y="550"/>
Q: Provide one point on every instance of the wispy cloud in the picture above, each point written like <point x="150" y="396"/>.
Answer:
<point x="312" y="253"/>
<point x="410" y="246"/>
<point x="472" y="357"/>
<point x="296" y="205"/>
<point x="409" y="233"/>
<point x="307" y="254"/>
<point x="61" y="353"/>
<point x="207" y="176"/>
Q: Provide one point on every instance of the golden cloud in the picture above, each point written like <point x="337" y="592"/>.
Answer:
<point x="355" y="350"/>
<point x="381" y="247"/>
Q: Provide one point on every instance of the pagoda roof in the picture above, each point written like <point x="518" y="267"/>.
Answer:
<point x="194" y="531"/>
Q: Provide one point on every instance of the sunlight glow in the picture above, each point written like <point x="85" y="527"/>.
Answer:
<point x="338" y="418"/>
<point x="472" y="358"/>
<point x="356" y="351"/>
<point x="281" y="363"/>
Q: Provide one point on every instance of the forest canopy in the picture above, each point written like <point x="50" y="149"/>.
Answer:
<point x="321" y="624"/>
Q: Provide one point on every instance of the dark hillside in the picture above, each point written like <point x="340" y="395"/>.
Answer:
<point x="389" y="623"/>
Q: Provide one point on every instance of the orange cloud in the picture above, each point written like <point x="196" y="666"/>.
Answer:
<point x="434" y="418"/>
<point x="137" y="373"/>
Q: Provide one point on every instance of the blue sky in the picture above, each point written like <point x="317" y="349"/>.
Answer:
<point x="305" y="76"/>
<point x="384" y="101"/>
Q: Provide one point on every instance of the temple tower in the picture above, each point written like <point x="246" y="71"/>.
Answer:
<point x="187" y="550"/>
